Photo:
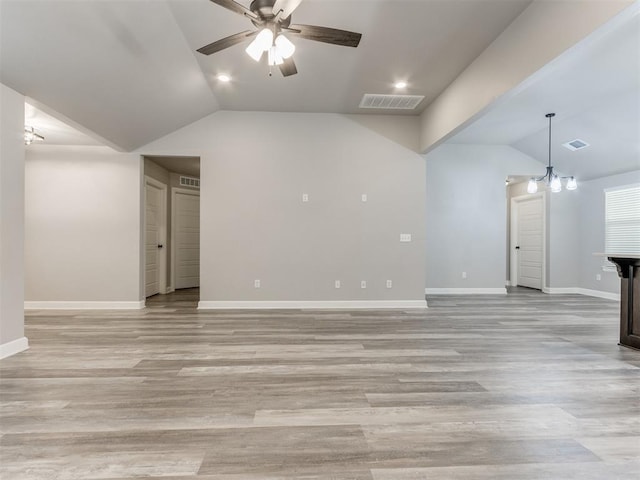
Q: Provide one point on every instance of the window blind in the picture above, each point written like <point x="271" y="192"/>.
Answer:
<point x="622" y="220"/>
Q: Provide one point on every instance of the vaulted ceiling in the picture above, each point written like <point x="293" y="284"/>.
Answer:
<point x="128" y="71"/>
<point x="124" y="72"/>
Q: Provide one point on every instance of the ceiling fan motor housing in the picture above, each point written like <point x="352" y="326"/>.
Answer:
<point x="264" y="10"/>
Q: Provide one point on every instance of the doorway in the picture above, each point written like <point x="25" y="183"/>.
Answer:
<point x="171" y="225"/>
<point x="527" y="252"/>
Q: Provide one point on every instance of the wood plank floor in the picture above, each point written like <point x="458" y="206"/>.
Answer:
<point x="518" y="386"/>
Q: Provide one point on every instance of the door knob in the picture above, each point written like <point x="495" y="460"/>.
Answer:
<point x="517" y="247"/>
<point x="160" y="245"/>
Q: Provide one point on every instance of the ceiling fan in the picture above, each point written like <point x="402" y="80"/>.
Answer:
<point x="272" y="18"/>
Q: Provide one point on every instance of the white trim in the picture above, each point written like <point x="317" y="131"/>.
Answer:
<point x="13" y="347"/>
<point x="175" y="191"/>
<point x="582" y="291"/>
<point x="599" y="294"/>
<point x="330" y="304"/>
<point x="162" y="271"/>
<point x="561" y="290"/>
<point x="84" y="305"/>
<point x="513" y="235"/>
<point x="465" y="291"/>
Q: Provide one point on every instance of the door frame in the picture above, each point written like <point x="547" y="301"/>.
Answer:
<point x="174" y="192"/>
<point x="162" y="229"/>
<point x="513" y="229"/>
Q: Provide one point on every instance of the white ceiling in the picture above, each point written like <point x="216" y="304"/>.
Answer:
<point x="595" y="92"/>
<point x="128" y="71"/>
<point x="189" y="166"/>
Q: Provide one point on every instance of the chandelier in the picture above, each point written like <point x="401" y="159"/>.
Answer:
<point x="550" y="178"/>
<point x="31" y="136"/>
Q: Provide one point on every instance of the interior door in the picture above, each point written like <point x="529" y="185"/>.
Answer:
<point x="153" y="210"/>
<point x="529" y="246"/>
<point x="187" y="239"/>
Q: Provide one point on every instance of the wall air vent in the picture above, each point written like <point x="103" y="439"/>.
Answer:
<point x="576" y="144"/>
<point x="189" y="182"/>
<point x="391" y="102"/>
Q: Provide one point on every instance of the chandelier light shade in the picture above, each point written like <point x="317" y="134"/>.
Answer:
<point x="31" y="136"/>
<point x="550" y="178"/>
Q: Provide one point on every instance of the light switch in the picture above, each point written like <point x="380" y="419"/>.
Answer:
<point x="363" y="284"/>
<point x="389" y="284"/>
<point x="305" y="197"/>
<point x="405" y="237"/>
<point x="256" y="283"/>
<point x="337" y="284"/>
<point x="364" y="197"/>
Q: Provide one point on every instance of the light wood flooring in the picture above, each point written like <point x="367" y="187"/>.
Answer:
<point x="519" y="386"/>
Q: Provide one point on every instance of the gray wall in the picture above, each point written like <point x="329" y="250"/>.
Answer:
<point x="563" y="239"/>
<point x="591" y="211"/>
<point x="255" y="168"/>
<point x="82" y="225"/>
<point x="467" y="213"/>
<point x="11" y="219"/>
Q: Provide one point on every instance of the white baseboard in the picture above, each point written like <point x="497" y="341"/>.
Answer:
<point x="13" y="347"/>
<point x="316" y="305"/>
<point x="465" y="291"/>
<point x="560" y="290"/>
<point x="84" y="305"/>
<point x="581" y="291"/>
<point x="599" y="294"/>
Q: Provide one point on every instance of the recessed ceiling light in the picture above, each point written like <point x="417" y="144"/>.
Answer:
<point x="400" y="85"/>
<point x="224" y="78"/>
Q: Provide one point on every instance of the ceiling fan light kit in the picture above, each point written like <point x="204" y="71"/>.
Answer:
<point x="273" y="19"/>
<point x="550" y="178"/>
<point x="31" y="136"/>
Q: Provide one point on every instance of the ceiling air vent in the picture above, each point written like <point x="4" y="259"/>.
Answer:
<point x="576" y="144"/>
<point x="189" y="182"/>
<point x="391" y="102"/>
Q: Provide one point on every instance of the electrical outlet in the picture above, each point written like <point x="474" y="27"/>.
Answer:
<point x="464" y="274"/>
<point x="256" y="284"/>
<point x="364" y="197"/>
<point x="389" y="284"/>
<point x="405" y="237"/>
<point x="598" y="277"/>
<point x="363" y="284"/>
<point x="337" y="284"/>
<point x="305" y="197"/>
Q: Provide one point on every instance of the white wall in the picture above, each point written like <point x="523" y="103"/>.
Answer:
<point x="591" y="211"/>
<point x="12" y="339"/>
<point x="255" y="168"/>
<point x="467" y="214"/>
<point x="82" y="228"/>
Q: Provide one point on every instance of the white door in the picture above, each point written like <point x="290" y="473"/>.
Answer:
<point x="529" y="242"/>
<point x="153" y="209"/>
<point x="186" y="228"/>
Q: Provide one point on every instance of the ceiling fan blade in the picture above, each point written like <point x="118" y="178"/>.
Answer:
<point x="226" y="42"/>
<point x="326" y="35"/>
<point x="284" y="8"/>
<point x="288" y="68"/>
<point x="236" y="7"/>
